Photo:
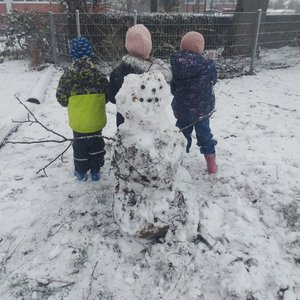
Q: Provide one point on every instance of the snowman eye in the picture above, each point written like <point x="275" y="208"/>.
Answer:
<point x="141" y="99"/>
<point x="142" y="87"/>
<point x="149" y="100"/>
<point x="156" y="99"/>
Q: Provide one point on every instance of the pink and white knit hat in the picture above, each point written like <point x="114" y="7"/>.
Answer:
<point x="192" y="41"/>
<point x="138" y="41"/>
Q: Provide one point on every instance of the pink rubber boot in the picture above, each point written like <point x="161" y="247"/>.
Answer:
<point x="212" y="167"/>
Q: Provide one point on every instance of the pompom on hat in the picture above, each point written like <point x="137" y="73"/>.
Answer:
<point x="192" y="41"/>
<point x="138" y="41"/>
<point x="80" y="47"/>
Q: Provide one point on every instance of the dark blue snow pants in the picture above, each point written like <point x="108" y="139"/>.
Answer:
<point x="88" y="152"/>
<point x="203" y="134"/>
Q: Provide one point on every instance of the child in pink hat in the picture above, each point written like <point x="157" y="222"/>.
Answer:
<point x="194" y="101"/>
<point x="138" y="44"/>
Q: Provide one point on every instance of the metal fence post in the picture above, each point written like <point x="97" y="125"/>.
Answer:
<point x="53" y="38"/>
<point x="135" y="17"/>
<point x="78" y="23"/>
<point x="255" y="40"/>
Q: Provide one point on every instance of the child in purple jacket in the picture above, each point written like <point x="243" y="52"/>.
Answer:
<point x="194" y="101"/>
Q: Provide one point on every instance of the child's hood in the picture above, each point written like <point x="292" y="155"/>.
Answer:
<point x="138" y="64"/>
<point x="186" y="65"/>
<point x="82" y="66"/>
<point x="146" y="65"/>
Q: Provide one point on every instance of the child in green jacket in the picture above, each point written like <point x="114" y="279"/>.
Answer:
<point x="82" y="89"/>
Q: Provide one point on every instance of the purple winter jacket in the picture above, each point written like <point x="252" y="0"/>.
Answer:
<point x="192" y="86"/>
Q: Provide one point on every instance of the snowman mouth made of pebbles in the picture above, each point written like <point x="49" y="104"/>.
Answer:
<point x="149" y="201"/>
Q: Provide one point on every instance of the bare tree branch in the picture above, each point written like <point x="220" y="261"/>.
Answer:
<point x="36" y="120"/>
<point x="63" y="140"/>
<point x="59" y="141"/>
<point x="91" y="281"/>
<point x="52" y="161"/>
<point x="198" y="120"/>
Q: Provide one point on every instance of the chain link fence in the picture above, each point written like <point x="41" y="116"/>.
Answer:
<point x="242" y="41"/>
<point x="278" y="41"/>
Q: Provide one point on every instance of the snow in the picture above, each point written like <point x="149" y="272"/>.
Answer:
<point x="28" y="83"/>
<point x="59" y="238"/>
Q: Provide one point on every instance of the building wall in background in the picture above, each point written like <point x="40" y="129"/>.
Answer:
<point x="21" y="5"/>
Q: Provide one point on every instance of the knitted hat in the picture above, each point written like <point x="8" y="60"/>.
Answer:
<point x="192" y="41"/>
<point x="80" y="47"/>
<point x="138" y="41"/>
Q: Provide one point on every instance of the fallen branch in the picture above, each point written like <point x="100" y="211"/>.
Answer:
<point x="277" y="106"/>
<point x="65" y="139"/>
<point x="36" y="120"/>
<point x="53" y="160"/>
<point x="176" y="282"/>
<point x="17" y="268"/>
<point x="91" y="281"/>
<point x="9" y="253"/>
<point x="46" y="287"/>
<point x="198" y="120"/>
<point x="62" y="139"/>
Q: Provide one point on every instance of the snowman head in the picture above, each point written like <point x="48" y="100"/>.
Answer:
<point x="143" y="99"/>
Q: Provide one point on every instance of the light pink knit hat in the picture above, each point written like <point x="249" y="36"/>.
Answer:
<point x="192" y="41"/>
<point x="138" y="41"/>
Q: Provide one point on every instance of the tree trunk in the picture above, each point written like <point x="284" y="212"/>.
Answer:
<point x="153" y="5"/>
<point x="251" y="5"/>
<point x="244" y="26"/>
<point x="170" y="5"/>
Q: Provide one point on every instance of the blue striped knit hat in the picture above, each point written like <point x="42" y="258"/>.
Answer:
<point x="80" y="47"/>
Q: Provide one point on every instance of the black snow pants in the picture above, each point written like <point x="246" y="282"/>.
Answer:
<point x="89" y="151"/>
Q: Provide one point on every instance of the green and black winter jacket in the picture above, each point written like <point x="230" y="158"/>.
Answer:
<point x="82" y="89"/>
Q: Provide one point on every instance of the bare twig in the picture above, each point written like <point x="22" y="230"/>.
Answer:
<point x="182" y="272"/>
<point x="50" y="234"/>
<point x="63" y="138"/>
<point x="111" y="232"/>
<point x="37" y="142"/>
<point x="8" y="253"/>
<point x="277" y="106"/>
<point x="59" y="141"/>
<point x="22" y="122"/>
<point x="42" y="286"/>
<point x="52" y="161"/>
<point x="36" y="120"/>
<point x="17" y="268"/>
<point x="91" y="281"/>
<point x="198" y="120"/>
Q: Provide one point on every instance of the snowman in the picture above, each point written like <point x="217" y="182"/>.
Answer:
<point x="151" y="199"/>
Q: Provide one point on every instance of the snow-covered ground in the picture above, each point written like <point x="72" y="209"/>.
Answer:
<point x="58" y="236"/>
